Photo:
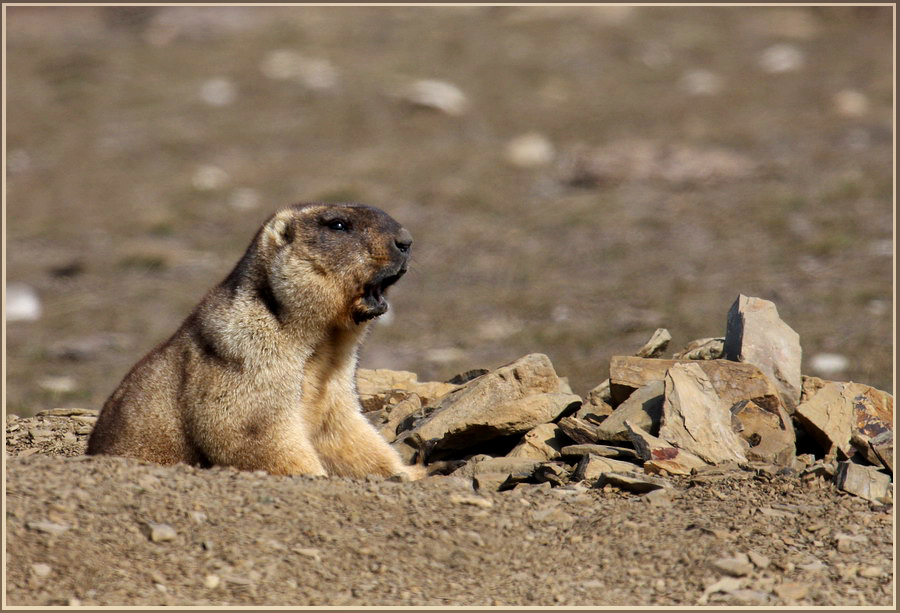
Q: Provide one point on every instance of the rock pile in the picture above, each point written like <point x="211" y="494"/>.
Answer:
<point x="732" y="403"/>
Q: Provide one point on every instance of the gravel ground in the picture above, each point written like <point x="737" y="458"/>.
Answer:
<point x="110" y="531"/>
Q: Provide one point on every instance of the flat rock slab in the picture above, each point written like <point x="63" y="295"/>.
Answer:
<point x="755" y="334"/>
<point x="590" y="467"/>
<point x="733" y="381"/>
<point x="696" y="419"/>
<point x="604" y="451"/>
<point x="510" y="400"/>
<point x="847" y="416"/>
<point x="632" y="482"/>
<point x="864" y="481"/>
<point x="659" y="455"/>
<point x="517" y="467"/>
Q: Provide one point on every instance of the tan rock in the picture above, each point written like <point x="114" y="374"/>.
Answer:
<point x="517" y="467"/>
<point x="375" y="386"/>
<point x="590" y="467"/>
<point x="632" y="481"/>
<point x="510" y="400"/>
<point x="755" y="334"/>
<point x="847" y="416"/>
<point x="395" y="414"/>
<point x="769" y="433"/>
<point x="643" y="408"/>
<point x="658" y="455"/>
<point x="600" y="393"/>
<point x="594" y="410"/>
<point x="580" y="431"/>
<point x="733" y="381"/>
<point x="656" y="345"/>
<point x="696" y="419"/>
<point x="811" y="385"/>
<point x="702" y="349"/>
<point x="539" y="443"/>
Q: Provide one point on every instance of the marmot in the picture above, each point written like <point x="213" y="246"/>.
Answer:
<point x="261" y="375"/>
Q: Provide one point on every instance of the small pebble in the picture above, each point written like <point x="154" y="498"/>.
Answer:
<point x="218" y="92"/>
<point x="782" y="58"/>
<point x="871" y="572"/>
<point x="851" y="103"/>
<point x="437" y="95"/>
<point x="22" y="303"/>
<point x="209" y="177"/>
<point x="529" y="151"/>
<point x="41" y="570"/>
<point x="828" y="364"/>
<point x="791" y="592"/>
<point x="211" y="581"/>
<point x="48" y="527"/>
<point x="160" y="533"/>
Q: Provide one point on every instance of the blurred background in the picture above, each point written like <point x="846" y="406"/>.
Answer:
<point x="574" y="177"/>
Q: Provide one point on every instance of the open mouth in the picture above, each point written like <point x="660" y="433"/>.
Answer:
<point x="373" y="298"/>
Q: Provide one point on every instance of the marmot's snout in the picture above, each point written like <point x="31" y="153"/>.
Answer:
<point x="373" y="298"/>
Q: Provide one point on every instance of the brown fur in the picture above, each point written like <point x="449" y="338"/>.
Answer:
<point x="261" y="375"/>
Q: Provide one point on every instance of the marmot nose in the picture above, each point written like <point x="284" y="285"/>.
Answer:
<point x="403" y="240"/>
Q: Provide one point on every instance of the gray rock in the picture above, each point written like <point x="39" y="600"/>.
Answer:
<point x="510" y="400"/>
<point x="696" y="419"/>
<point x="755" y="334"/>
<point x="643" y="408"/>
<point x="883" y="447"/>
<point x="603" y="451"/>
<point x="864" y="481"/>
<point x="539" y="443"/>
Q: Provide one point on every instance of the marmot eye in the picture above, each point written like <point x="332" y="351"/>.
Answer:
<point x="338" y="225"/>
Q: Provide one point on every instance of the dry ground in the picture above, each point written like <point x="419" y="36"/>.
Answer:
<point x="79" y="531"/>
<point x="110" y="220"/>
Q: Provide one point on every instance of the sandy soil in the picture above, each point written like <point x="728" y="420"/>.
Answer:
<point x="81" y="530"/>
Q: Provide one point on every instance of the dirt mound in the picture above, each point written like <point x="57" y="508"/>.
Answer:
<point x="110" y="531"/>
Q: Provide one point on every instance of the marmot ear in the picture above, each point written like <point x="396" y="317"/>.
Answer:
<point x="280" y="231"/>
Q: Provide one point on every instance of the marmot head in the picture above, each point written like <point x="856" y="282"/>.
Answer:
<point x="335" y="258"/>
